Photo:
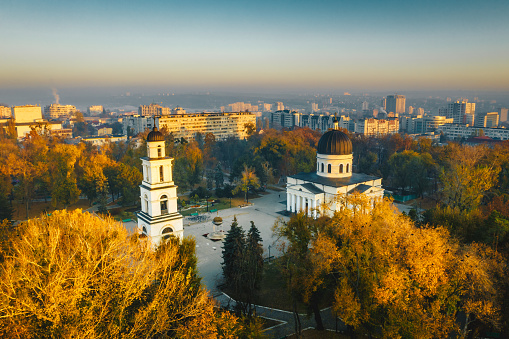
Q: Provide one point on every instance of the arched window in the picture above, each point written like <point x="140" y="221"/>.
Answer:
<point x="161" y="173"/>
<point x="167" y="232"/>
<point x="347" y="168"/>
<point x="329" y="168"/>
<point x="144" y="230"/>
<point x="164" y="204"/>
<point x="159" y="152"/>
<point x="322" y="166"/>
<point x="341" y="168"/>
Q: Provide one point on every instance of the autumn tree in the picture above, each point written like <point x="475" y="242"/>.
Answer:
<point x="396" y="280"/>
<point x="306" y="284"/>
<point x="130" y="177"/>
<point x="411" y="169"/>
<point x="465" y="178"/>
<point x="75" y="275"/>
<point x="248" y="180"/>
<point x="92" y="180"/>
<point x="29" y="165"/>
<point x="61" y="176"/>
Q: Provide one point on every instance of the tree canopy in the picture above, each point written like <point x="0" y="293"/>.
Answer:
<point x="75" y="275"/>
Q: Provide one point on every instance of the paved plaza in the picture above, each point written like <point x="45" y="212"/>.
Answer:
<point x="263" y="211"/>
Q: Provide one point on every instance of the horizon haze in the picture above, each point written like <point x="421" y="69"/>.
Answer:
<point x="262" y="46"/>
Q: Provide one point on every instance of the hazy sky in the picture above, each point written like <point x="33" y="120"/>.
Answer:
<point x="374" y="44"/>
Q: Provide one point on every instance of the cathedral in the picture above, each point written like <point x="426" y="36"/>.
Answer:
<point x="159" y="217"/>
<point x="308" y="192"/>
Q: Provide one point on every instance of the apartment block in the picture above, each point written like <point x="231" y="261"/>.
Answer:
<point x="153" y="109"/>
<point x="55" y="111"/>
<point x="222" y="125"/>
<point x="377" y="127"/>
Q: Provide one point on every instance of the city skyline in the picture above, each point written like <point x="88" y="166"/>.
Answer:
<point x="290" y="45"/>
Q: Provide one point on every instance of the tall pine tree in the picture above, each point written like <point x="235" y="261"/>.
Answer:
<point x="254" y="255"/>
<point x="233" y="249"/>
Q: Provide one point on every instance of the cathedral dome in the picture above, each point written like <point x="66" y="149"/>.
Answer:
<point x="334" y="142"/>
<point x="155" y="135"/>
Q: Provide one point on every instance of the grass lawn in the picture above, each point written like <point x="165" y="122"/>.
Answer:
<point x="224" y="204"/>
<point x="39" y="207"/>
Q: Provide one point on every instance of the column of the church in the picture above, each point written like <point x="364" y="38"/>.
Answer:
<point x="297" y="207"/>
<point x="288" y="202"/>
<point x="314" y="208"/>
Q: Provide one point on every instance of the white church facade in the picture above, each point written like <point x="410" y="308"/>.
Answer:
<point x="333" y="179"/>
<point x="159" y="217"/>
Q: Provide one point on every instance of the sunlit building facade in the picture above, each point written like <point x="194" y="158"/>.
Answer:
<point x="221" y="125"/>
<point x="395" y="103"/>
<point x="56" y="111"/>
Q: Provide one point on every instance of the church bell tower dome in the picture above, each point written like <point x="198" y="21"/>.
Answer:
<point x="334" y="154"/>
<point x="155" y="135"/>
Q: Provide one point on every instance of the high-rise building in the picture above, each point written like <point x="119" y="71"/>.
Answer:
<point x="395" y="103"/>
<point x="153" y="109"/>
<point x="461" y="112"/>
<point x="95" y="110"/>
<point x="280" y="106"/>
<point x="365" y="105"/>
<point x="489" y="119"/>
<point x="240" y="107"/>
<point x="55" y="111"/>
<point x="410" y="110"/>
<point x="313" y="107"/>
<point x="502" y="113"/>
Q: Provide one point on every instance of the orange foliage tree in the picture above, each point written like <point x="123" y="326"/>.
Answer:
<point x="75" y="275"/>
<point x="395" y="280"/>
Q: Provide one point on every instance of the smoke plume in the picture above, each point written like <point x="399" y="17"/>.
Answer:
<point x="56" y="96"/>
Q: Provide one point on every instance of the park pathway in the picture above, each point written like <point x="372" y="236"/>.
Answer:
<point x="286" y="326"/>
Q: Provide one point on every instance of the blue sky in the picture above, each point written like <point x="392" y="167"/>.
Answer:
<point x="364" y="45"/>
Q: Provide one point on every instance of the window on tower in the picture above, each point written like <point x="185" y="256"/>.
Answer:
<point x="329" y="168"/>
<point x="161" y="173"/>
<point x="159" y="152"/>
<point x="164" y="205"/>
<point x="341" y="168"/>
<point x="167" y="232"/>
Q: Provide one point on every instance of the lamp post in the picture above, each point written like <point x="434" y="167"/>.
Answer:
<point x="269" y="253"/>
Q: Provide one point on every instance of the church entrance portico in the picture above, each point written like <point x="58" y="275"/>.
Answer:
<point x="304" y="198"/>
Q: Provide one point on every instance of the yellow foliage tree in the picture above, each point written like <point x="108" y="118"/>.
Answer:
<point x="249" y="179"/>
<point x="75" y="275"/>
<point x="395" y="280"/>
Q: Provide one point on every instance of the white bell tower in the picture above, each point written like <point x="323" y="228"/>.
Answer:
<point x="159" y="217"/>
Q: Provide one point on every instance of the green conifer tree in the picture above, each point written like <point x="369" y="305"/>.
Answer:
<point x="233" y="249"/>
